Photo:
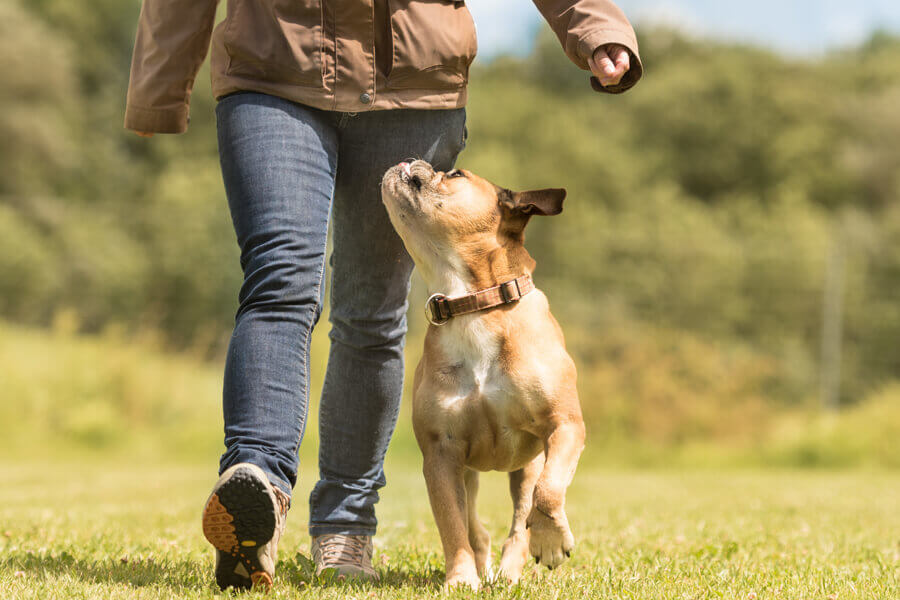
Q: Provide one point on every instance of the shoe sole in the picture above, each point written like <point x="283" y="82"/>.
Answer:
<point x="238" y="520"/>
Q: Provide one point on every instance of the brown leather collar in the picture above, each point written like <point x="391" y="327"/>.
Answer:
<point x="439" y="308"/>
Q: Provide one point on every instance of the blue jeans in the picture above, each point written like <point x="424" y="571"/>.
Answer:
<point x="287" y="168"/>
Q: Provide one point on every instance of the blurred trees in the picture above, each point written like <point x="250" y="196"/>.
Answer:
<point x="705" y="201"/>
<point x="708" y="198"/>
<point x="92" y="218"/>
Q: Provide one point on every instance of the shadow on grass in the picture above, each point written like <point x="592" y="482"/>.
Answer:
<point x="180" y="574"/>
<point x="401" y="577"/>
<point x="186" y="574"/>
<point x="300" y="572"/>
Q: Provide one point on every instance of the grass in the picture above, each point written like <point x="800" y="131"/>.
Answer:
<point x="118" y="531"/>
<point x="110" y="449"/>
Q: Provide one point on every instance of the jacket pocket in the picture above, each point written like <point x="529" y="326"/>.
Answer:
<point x="434" y="43"/>
<point x="275" y="40"/>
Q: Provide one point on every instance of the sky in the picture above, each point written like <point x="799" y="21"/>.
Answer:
<point x="800" y="27"/>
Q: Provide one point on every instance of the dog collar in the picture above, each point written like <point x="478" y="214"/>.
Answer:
<point x="439" y="308"/>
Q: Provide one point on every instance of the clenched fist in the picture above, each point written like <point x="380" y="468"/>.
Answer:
<point x="610" y="63"/>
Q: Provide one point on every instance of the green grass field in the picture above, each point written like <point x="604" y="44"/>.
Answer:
<point x="110" y="448"/>
<point x="71" y="531"/>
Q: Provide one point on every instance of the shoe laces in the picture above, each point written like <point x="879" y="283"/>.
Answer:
<point x="284" y="501"/>
<point x="337" y="549"/>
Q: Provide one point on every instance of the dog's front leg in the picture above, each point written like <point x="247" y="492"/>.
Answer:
<point x="447" y="492"/>
<point x="521" y="488"/>
<point x="551" y="540"/>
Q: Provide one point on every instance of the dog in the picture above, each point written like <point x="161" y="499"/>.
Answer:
<point x="495" y="388"/>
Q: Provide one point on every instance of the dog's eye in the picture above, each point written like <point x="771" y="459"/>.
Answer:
<point x="455" y="173"/>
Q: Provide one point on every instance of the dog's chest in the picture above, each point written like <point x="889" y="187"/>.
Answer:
<point x="480" y="401"/>
<point x="472" y="355"/>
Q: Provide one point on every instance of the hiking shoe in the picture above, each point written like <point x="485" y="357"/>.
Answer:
<point x="349" y="555"/>
<point x="243" y="519"/>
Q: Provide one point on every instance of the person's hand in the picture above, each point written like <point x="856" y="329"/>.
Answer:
<point x="610" y="63"/>
<point x="146" y="134"/>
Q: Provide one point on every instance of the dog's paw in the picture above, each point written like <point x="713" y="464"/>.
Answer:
<point x="513" y="558"/>
<point x="462" y="580"/>
<point x="551" y="540"/>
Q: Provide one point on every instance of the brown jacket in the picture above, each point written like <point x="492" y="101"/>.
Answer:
<point x="344" y="55"/>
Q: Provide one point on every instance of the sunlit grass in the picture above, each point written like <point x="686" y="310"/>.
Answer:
<point x="98" y="531"/>
<point x="110" y="448"/>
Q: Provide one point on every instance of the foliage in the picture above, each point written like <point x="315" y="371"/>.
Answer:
<point x="704" y="203"/>
<point x="650" y="398"/>
<point x="710" y="197"/>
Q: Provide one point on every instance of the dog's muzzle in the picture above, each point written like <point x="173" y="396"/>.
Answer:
<point x="406" y="175"/>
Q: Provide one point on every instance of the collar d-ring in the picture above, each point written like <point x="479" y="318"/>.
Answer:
<point x="435" y="310"/>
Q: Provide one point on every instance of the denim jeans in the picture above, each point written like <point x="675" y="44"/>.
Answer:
<point x="287" y="168"/>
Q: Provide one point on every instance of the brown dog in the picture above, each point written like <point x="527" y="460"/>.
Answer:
<point x="495" y="389"/>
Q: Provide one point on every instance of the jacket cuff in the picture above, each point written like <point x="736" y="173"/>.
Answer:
<point x="589" y="44"/>
<point x="157" y="120"/>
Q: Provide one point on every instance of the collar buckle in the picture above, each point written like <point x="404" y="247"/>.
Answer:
<point x="436" y="310"/>
<point x="509" y="291"/>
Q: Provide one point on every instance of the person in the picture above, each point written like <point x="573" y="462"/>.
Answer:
<point x="316" y="99"/>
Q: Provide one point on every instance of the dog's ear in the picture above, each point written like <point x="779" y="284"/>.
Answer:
<point x="546" y="202"/>
<point x="518" y="207"/>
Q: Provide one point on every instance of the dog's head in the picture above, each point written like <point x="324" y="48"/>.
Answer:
<point x="440" y="212"/>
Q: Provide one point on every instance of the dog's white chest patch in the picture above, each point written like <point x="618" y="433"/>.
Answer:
<point x="474" y="352"/>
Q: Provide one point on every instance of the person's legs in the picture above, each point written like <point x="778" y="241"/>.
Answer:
<point x="370" y="282"/>
<point x="279" y="161"/>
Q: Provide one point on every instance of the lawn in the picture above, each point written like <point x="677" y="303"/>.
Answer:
<point x="112" y="530"/>
<point x="109" y="451"/>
